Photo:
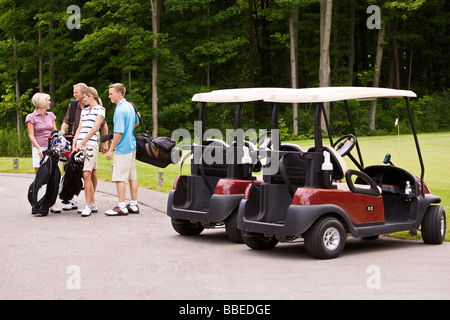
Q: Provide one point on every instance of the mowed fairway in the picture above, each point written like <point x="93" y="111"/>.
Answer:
<point x="435" y="150"/>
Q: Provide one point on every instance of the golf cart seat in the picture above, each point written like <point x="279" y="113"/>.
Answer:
<point x="363" y="184"/>
<point x="239" y="170"/>
<point x="296" y="168"/>
<point x="216" y="166"/>
<point x="339" y="165"/>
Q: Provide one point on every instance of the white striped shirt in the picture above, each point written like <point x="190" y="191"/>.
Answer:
<point x="87" y="123"/>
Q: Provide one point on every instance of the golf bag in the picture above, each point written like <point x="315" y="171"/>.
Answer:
<point x="72" y="181"/>
<point x="160" y="151"/>
<point x="43" y="191"/>
<point x="157" y="151"/>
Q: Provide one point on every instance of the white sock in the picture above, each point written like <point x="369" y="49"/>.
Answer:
<point x="123" y="206"/>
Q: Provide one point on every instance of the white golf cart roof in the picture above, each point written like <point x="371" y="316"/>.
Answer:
<point x="235" y="95"/>
<point x="327" y="94"/>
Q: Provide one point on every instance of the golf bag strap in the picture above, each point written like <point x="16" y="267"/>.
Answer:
<point x="72" y="113"/>
<point x="139" y="116"/>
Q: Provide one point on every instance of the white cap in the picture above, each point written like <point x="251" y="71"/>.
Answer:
<point x="327" y="165"/>
<point x="246" y="158"/>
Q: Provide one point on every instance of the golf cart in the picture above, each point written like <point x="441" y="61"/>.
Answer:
<point x="220" y="171"/>
<point x="308" y="199"/>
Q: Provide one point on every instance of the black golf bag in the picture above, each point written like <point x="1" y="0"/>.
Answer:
<point x="157" y="151"/>
<point x="43" y="191"/>
<point x="72" y="181"/>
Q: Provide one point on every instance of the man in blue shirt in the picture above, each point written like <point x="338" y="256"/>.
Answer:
<point x="124" y="147"/>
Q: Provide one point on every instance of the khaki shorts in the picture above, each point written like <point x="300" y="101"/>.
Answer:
<point x="124" y="167"/>
<point x="90" y="163"/>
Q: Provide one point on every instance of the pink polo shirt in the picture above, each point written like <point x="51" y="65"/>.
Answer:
<point x="42" y="126"/>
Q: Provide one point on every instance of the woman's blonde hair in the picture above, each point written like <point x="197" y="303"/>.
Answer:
<point x="39" y="99"/>
<point x="92" y="92"/>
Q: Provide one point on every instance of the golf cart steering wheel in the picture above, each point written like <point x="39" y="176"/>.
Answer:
<point x="264" y="143"/>
<point x="344" y="148"/>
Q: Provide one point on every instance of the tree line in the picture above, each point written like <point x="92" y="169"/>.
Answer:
<point x="166" y="51"/>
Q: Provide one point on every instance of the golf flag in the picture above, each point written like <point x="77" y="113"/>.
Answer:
<point x="396" y="122"/>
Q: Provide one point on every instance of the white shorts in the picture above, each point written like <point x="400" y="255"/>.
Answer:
<point x="35" y="155"/>
<point x="124" y="167"/>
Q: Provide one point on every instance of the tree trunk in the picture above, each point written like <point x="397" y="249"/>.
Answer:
<point x="155" y="30"/>
<point x="17" y="88"/>
<point x="293" y="33"/>
<point x="326" y="10"/>
<point x="410" y="66"/>
<point x="351" y="57"/>
<point x="265" y="50"/>
<point x="376" y="80"/>
<point x="208" y="69"/>
<point x="41" y="81"/>
<point x="251" y="51"/>
<point x="51" y="58"/>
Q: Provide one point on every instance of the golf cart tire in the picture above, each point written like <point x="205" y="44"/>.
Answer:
<point x="186" y="228"/>
<point x="233" y="233"/>
<point x="258" y="241"/>
<point x="434" y="225"/>
<point x="325" y="239"/>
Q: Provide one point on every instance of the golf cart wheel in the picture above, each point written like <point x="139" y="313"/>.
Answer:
<point x="258" y="241"/>
<point x="434" y="225"/>
<point x="325" y="239"/>
<point x="233" y="233"/>
<point x="186" y="228"/>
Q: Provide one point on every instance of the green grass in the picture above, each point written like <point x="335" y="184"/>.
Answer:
<point x="435" y="152"/>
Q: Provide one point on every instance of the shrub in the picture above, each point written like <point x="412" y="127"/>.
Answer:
<point x="9" y="143"/>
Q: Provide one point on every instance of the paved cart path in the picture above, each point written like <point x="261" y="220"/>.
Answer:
<point x="65" y="256"/>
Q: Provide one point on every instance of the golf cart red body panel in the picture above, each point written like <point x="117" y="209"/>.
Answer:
<point x="360" y="208"/>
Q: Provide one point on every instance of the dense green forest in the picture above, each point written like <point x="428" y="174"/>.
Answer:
<point x="165" y="51"/>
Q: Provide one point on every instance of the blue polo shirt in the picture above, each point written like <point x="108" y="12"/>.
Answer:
<point x="125" y="118"/>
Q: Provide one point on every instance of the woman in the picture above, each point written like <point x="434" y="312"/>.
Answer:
<point x="40" y="123"/>
<point x="87" y="135"/>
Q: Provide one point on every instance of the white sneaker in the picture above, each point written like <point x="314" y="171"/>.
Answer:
<point x="94" y="209"/>
<point x="55" y="209"/>
<point x="86" y="212"/>
<point x="70" y="206"/>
